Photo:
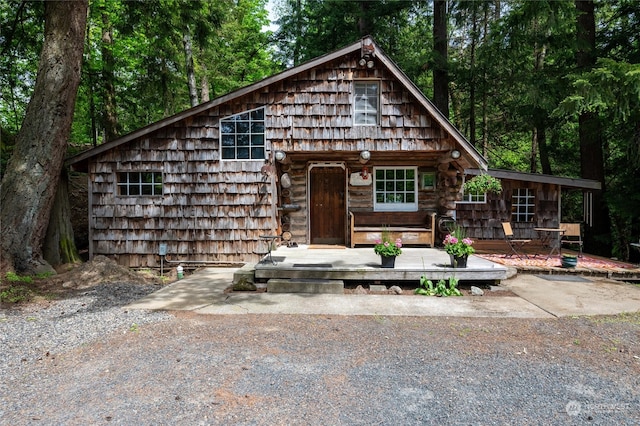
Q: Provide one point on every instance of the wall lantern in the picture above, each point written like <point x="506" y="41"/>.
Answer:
<point x="364" y="156"/>
<point x="280" y="156"/>
<point x="455" y="154"/>
<point x="370" y="64"/>
<point x="362" y="62"/>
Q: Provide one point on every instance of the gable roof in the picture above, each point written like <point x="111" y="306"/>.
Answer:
<point x="360" y="45"/>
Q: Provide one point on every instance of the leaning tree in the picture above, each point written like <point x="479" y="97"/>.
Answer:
<point x="30" y="181"/>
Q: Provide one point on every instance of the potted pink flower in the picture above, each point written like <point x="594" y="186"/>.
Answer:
<point x="459" y="247"/>
<point x="388" y="249"/>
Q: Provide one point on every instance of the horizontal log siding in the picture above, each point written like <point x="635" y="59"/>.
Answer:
<point x="215" y="211"/>
<point x="484" y="221"/>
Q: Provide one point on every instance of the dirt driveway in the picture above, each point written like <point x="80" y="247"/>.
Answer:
<point x="319" y="370"/>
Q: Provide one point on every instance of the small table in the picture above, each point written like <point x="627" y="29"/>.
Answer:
<point x="270" y="239"/>
<point x="550" y="238"/>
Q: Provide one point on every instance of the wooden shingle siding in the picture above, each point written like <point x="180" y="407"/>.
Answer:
<point x="216" y="210"/>
<point x="483" y="221"/>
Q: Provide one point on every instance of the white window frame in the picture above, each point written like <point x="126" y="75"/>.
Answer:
<point x="523" y="205"/>
<point x="239" y="124"/>
<point x="395" y="206"/>
<point x="154" y="188"/>
<point x="361" y="88"/>
<point x="473" y="198"/>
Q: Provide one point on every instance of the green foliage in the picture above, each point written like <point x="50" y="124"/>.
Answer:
<point x="13" y="277"/>
<point x="21" y="39"/>
<point x="148" y="67"/>
<point x="17" y="291"/>
<point x="16" y="294"/>
<point x="483" y="183"/>
<point x="428" y="288"/>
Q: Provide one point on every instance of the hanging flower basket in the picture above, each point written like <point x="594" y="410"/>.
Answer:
<point x="483" y="183"/>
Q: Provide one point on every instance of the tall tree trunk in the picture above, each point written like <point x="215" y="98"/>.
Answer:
<point x="204" y="84"/>
<point x="598" y="240"/>
<point x="90" y="86"/>
<point x="533" y="161"/>
<point x="485" y="120"/>
<point x="364" y="25"/>
<point x="110" y="118"/>
<point x="472" y="70"/>
<point x="543" y="148"/>
<point x="29" y="185"/>
<point x="297" y="5"/>
<point x="440" y="72"/>
<point x="191" y="71"/>
<point x="59" y="245"/>
<point x="538" y="139"/>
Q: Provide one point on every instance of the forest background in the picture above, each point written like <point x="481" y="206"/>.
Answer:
<point x="537" y="86"/>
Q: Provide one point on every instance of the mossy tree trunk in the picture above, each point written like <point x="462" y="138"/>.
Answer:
<point x="59" y="245"/>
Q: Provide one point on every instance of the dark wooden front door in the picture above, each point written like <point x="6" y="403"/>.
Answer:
<point x="327" y="205"/>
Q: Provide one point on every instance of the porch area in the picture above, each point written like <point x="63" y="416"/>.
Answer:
<point x="310" y="262"/>
<point x="491" y="264"/>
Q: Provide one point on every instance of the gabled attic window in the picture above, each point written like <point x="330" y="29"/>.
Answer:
<point x="366" y="103"/>
<point x="242" y="136"/>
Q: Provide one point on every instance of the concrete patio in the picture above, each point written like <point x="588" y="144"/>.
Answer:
<point x="362" y="264"/>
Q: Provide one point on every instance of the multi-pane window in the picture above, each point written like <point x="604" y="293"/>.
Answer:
<point x="522" y="205"/>
<point x="473" y="197"/>
<point x="366" y="103"/>
<point x="242" y="136"/>
<point x="139" y="183"/>
<point x="395" y="189"/>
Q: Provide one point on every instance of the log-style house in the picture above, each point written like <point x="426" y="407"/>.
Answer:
<point x="345" y="139"/>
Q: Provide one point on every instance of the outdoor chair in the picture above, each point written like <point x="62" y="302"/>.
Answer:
<point x="572" y="235"/>
<point x="516" y="245"/>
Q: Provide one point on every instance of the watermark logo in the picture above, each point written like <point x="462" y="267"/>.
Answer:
<point x="574" y="408"/>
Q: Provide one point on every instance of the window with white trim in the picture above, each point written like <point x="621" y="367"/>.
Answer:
<point x="366" y="103"/>
<point x="473" y="198"/>
<point x="139" y="183"/>
<point x="522" y="205"/>
<point x="242" y="136"/>
<point x="395" y="188"/>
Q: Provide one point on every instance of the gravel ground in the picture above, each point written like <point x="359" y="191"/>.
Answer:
<point x="86" y="360"/>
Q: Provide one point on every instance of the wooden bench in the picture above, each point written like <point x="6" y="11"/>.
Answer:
<point x="413" y="228"/>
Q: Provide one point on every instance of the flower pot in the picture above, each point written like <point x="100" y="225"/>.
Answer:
<point x="569" y="261"/>
<point x="387" y="261"/>
<point x="458" y="261"/>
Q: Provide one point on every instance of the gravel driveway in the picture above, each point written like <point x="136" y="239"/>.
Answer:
<point x="86" y="360"/>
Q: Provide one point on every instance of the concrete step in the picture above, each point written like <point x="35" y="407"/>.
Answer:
<point x="301" y="285"/>
<point x="246" y="273"/>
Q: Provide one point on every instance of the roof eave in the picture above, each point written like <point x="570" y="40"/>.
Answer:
<point x="539" y="178"/>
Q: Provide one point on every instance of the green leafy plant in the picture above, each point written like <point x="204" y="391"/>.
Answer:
<point x="386" y="247"/>
<point x="483" y="183"/>
<point x="427" y="288"/>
